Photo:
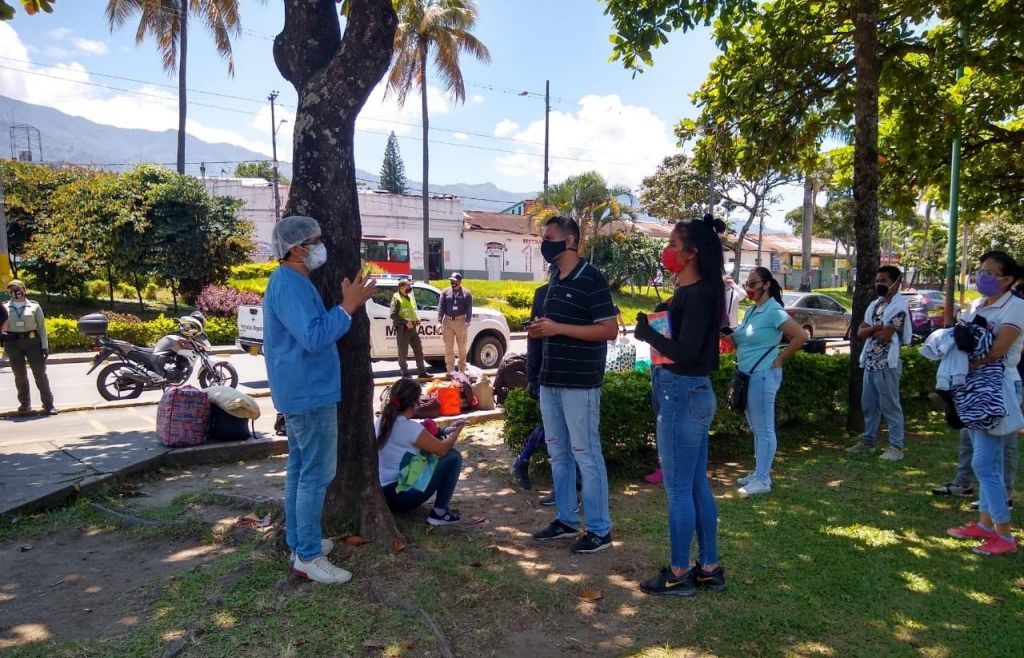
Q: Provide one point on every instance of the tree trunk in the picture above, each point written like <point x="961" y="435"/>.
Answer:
<point x="426" y="167"/>
<point x="867" y="62"/>
<point x="174" y="296"/>
<point x="737" y="249"/>
<point x="810" y="189"/>
<point x="138" y="293"/>
<point x="182" y="92"/>
<point x="333" y="77"/>
<point x="110" y="286"/>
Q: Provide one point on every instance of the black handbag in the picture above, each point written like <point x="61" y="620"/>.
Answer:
<point x="737" y="393"/>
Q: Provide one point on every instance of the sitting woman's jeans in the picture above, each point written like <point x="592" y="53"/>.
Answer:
<point x="685" y="408"/>
<point x="443" y="482"/>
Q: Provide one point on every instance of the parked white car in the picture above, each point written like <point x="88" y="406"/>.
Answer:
<point x="488" y="332"/>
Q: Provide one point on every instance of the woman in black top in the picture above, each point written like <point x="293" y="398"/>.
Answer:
<point x="685" y="404"/>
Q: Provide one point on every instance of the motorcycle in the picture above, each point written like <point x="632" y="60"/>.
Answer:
<point x="921" y="324"/>
<point x="169" y="363"/>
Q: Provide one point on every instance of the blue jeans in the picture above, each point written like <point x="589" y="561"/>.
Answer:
<point x="881" y="397"/>
<point x="442" y="482"/>
<point x="1011" y="458"/>
<point x="571" y="419"/>
<point x="312" y="462"/>
<point x="988" y="466"/>
<point x="686" y="406"/>
<point x="764" y="385"/>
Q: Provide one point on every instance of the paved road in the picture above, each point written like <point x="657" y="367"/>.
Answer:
<point x="72" y="388"/>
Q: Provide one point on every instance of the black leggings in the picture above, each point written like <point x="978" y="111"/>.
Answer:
<point x="446" y="476"/>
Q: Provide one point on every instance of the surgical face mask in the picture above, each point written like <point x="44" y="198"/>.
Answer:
<point x="987" y="284"/>
<point x="670" y="260"/>
<point x="551" y="250"/>
<point x="316" y="257"/>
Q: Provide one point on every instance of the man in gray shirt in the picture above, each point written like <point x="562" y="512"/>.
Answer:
<point x="454" y="314"/>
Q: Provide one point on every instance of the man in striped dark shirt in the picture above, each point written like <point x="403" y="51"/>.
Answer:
<point x="578" y="317"/>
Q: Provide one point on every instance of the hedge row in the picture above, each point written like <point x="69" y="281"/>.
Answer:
<point x="814" y="393"/>
<point x="64" y="336"/>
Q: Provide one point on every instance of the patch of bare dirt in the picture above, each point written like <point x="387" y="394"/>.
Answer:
<point x="78" y="585"/>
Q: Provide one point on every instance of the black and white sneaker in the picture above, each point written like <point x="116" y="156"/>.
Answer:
<point x="667" y="583"/>
<point x="521" y="475"/>
<point x="591" y="543"/>
<point x="556" y="530"/>
<point x="548" y="500"/>
<point x="448" y="518"/>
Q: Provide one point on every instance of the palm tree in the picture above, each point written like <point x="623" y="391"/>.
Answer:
<point x="166" y="21"/>
<point x="589" y="200"/>
<point x="441" y="27"/>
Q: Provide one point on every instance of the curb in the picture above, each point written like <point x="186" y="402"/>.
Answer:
<point x="207" y="453"/>
<point x="66" y="358"/>
<point x="127" y="404"/>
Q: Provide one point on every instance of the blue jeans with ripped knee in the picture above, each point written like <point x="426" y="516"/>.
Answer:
<point x="571" y="417"/>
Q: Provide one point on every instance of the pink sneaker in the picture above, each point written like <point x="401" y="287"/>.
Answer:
<point x="971" y="531"/>
<point x="655" y="477"/>
<point x="997" y="546"/>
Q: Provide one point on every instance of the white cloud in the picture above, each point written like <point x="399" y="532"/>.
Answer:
<point x="383" y="114"/>
<point x="622" y="142"/>
<point x="505" y="128"/>
<point x="81" y="45"/>
<point x="460" y="136"/>
<point x="477" y="98"/>
<point x="149" y="108"/>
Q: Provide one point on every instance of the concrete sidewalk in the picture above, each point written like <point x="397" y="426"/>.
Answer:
<point x="46" y="460"/>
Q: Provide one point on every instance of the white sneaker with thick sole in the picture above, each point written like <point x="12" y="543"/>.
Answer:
<point x="754" y="488"/>
<point x="326" y="546"/>
<point x="321" y="570"/>
<point x="892" y="454"/>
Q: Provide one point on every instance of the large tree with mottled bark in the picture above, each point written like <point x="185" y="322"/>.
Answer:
<point x="333" y="75"/>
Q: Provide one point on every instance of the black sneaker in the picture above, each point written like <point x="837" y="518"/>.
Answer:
<point x="975" y="504"/>
<point x="591" y="543"/>
<point x="548" y="500"/>
<point x="448" y="518"/>
<point x="714" y="580"/>
<point x="556" y="530"/>
<point x="50" y="410"/>
<point x="521" y="474"/>
<point x="667" y="584"/>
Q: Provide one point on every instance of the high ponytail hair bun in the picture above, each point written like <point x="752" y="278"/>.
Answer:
<point x="716" y="224"/>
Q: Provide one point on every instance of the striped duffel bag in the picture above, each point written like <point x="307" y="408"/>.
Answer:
<point x="182" y="417"/>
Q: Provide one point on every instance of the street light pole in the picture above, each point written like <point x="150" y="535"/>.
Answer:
<point x="273" y="144"/>
<point x="547" y="114"/>
<point x="954" y="204"/>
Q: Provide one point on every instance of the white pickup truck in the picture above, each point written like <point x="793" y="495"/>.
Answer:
<point x="488" y="332"/>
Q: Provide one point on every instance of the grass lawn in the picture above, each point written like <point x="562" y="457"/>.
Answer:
<point x="848" y="556"/>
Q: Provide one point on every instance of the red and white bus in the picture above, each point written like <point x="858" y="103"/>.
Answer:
<point x="389" y="254"/>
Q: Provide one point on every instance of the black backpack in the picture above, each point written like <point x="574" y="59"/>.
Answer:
<point x="225" y="427"/>
<point x="511" y="375"/>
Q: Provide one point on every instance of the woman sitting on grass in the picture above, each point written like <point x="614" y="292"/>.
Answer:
<point x="413" y="464"/>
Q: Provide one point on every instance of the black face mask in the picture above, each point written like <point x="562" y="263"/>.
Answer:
<point x="882" y="289"/>
<point x="551" y="249"/>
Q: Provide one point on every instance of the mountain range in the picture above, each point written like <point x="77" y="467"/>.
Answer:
<point x="66" y="138"/>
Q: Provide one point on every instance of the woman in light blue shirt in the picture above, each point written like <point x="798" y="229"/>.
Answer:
<point x="757" y="342"/>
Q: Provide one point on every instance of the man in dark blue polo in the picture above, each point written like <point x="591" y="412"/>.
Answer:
<point x="454" y="313"/>
<point x="578" y="318"/>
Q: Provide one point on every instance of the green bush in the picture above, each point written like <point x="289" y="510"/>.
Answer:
<point x="516" y="317"/>
<point x="97" y="289"/>
<point x="64" y="336"/>
<point x="518" y="298"/>
<point x="814" y="393"/>
<point x="151" y="291"/>
<point x="124" y="291"/>
<point x="253" y="270"/>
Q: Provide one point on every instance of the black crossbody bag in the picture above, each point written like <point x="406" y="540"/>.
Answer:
<point x="741" y="382"/>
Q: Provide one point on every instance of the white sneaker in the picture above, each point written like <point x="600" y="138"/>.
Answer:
<point x="892" y="454"/>
<point x="326" y="546"/>
<point x="745" y="480"/>
<point x="754" y="488"/>
<point x="321" y="570"/>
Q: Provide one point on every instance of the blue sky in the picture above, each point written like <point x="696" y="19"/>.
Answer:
<point x="603" y="117"/>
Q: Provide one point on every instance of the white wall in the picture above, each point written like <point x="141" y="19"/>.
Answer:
<point x="257" y="196"/>
<point x="401" y="216"/>
<point x="521" y="255"/>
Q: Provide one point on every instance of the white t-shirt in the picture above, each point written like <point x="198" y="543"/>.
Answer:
<point x="402" y="440"/>
<point x="1009" y="309"/>
<point x="734" y="294"/>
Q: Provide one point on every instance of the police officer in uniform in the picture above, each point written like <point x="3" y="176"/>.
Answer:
<point x="453" y="316"/>
<point x="25" y="340"/>
<point x="407" y="322"/>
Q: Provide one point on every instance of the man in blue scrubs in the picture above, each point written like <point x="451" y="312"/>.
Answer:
<point x="300" y="340"/>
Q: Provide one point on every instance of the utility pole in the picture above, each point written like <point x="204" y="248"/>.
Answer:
<point x="5" y="258"/>
<point x="273" y="144"/>
<point x="547" y="114"/>
<point x="954" y="204"/>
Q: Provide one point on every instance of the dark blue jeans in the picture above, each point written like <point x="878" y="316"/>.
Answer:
<point x="443" y="482"/>
<point x="685" y="408"/>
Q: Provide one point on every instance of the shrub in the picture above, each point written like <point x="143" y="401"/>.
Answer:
<point x="64" y="336"/>
<point x="151" y="292"/>
<point x="126" y="318"/>
<point x="516" y="317"/>
<point x="518" y="298"/>
<point x="253" y="270"/>
<point x="814" y="393"/>
<point x="124" y="291"/>
<point x="224" y="301"/>
<point x="97" y="289"/>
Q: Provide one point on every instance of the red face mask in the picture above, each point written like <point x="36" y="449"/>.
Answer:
<point x="670" y="260"/>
